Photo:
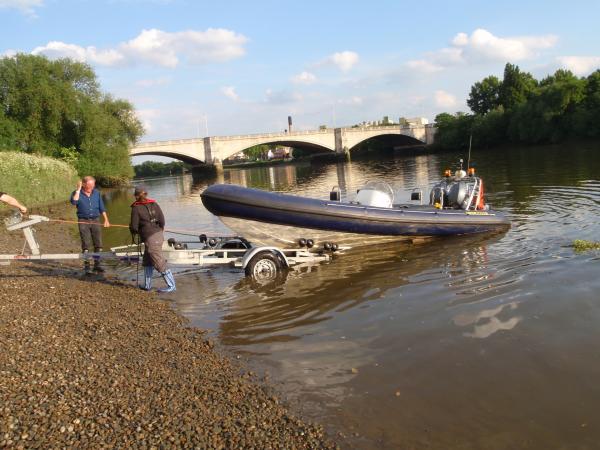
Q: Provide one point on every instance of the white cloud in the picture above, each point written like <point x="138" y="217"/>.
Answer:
<point x="304" y="78"/>
<point x="342" y="60"/>
<point x="580" y="65"/>
<point x="25" y="6"/>
<point x="444" y="99"/>
<point x="422" y="65"/>
<point x="57" y="49"/>
<point x="229" y="92"/>
<point x="157" y="47"/>
<point x="482" y="46"/>
<point x="8" y="53"/>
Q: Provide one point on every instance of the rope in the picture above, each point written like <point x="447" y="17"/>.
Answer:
<point x="169" y="230"/>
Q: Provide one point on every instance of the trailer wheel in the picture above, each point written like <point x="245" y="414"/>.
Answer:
<point x="264" y="266"/>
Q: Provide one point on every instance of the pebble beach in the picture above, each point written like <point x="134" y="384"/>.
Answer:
<point x="93" y="362"/>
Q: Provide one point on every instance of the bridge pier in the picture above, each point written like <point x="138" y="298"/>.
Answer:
<point x="341" y="144"/>
<point x="210" y="157"/>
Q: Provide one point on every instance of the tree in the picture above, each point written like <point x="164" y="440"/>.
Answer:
<point x="517" y="87"/>
<point x="453" y="131"/>
<point x="259" y="151"/>
<point x="485" y="95"/>
<point x="559" y="107"/>
<point x="155" y="168"/>
<point x="49" y="105"/>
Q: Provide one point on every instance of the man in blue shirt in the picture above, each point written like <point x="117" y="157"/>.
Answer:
<point x="90" y="207"/>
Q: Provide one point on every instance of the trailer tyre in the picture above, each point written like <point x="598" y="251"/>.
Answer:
<point x="264" y="266"/>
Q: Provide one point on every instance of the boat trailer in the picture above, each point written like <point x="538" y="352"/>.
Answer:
<point x="262" y="263"/>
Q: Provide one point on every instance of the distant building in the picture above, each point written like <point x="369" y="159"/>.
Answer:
<point x="417" y="121"/>
<point x="282" y="153"/>
<point x="239" y="156"/>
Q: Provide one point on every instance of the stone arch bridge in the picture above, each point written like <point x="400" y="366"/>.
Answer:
<point x="214" y="149"/>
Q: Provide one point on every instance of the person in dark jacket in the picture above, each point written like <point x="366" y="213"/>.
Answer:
<point x="148" y="221"/>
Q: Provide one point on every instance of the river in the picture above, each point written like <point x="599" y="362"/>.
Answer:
<point x="488" y="342"/>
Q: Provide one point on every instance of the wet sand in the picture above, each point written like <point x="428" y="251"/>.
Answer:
<point x="87" y="362"/>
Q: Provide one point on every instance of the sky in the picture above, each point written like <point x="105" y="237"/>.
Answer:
<point x="197" y="68"/>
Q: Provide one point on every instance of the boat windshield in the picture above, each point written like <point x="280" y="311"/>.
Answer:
<point x="376" y="193"/>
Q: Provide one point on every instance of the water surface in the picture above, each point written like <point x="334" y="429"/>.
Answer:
<point x="479" y="342"/>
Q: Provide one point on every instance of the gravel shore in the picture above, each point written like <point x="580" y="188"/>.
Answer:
<point x="91" y="363"/>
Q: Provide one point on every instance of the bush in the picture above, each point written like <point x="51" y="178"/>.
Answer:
<point x="36" y="180"/>
<point x="112" y="181"/>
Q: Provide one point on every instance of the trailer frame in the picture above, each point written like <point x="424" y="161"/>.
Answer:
<point x="261" y="263"/>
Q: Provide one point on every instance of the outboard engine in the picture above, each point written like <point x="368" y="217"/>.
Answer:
<point x="458" y="192"/>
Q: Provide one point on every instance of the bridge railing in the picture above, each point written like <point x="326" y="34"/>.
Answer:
<point x="171" y="142"/>
<point x="269" y="135"/>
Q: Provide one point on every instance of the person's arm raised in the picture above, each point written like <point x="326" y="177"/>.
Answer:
<point x="75" y="195"/>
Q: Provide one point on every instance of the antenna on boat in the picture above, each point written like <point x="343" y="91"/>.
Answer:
<point x="469" y="157"/>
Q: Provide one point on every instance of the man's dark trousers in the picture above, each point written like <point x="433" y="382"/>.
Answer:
<point x="90" y="232"/>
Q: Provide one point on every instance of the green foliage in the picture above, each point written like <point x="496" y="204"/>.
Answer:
<point x="35" y="180"/>
<point x="581" y="245"/>
<point x="453" y="130"/>
<point x="485" y="95"/>
<point x="520" y="109"/>
<point x="56" y="108"/>
<point x="156" y="169"/>
<point x="68" y="155"/>
<point x="259" y="152"/>
<point x="516" y="87"/>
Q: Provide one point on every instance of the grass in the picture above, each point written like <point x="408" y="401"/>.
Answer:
<point x="581" y="245"/>
<point x="36" y="180"/>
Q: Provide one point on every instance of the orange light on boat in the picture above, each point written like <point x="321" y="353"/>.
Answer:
<point x="447" y="173"/>
<point x="471" y="171"/>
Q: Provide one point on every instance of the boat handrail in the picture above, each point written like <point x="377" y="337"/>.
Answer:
<point x="476" y="188"/>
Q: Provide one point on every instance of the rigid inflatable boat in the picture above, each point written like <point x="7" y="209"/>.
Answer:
<point x="456" y="207"/>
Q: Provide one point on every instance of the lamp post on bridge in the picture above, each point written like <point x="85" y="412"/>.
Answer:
<point x="205" y="126"/>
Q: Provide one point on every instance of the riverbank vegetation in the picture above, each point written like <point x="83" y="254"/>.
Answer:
<point x="36" y="180"/>
<point x="521" y="109"/>
<point x="57" y="109"/>
<point x="159" y="169"/>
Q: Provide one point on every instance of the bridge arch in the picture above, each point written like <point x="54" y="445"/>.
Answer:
<point x="169" y="154"/>
<point x="392" y="139"/>
<point x="290" y="143"/>
<point x="317" y="145"/>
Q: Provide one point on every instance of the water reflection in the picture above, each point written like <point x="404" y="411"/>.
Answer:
<point x="279" y="311"/>
<point x="486" y="322"/>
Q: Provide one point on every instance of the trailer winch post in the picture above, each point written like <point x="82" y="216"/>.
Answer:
<point x="26" y="225"/>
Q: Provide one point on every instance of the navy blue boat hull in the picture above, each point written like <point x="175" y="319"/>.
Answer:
<point x="230" y="201"/>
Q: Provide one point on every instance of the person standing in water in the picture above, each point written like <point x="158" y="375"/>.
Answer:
<point x="148" y="221"/>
